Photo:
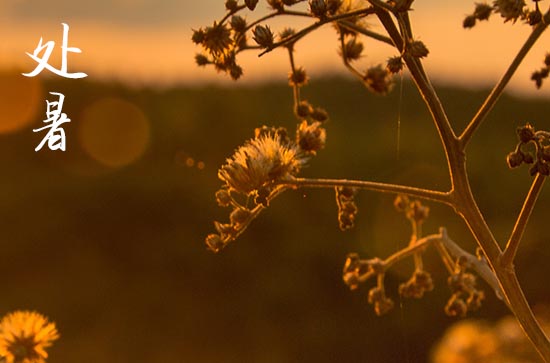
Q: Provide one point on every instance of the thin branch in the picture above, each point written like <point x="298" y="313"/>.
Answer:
<point x="437" y="196"/>
<point x="312" y="27"/>
<point x="493" y="97"/>
<point x="366" y="32"/>
<point x="512" y="246"/>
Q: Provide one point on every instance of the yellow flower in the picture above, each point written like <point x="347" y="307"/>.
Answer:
<point x="24" y="336"/>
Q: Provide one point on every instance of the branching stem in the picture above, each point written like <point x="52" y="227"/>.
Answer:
<point x="495" y="94"/>
<point x="509" y="253"/>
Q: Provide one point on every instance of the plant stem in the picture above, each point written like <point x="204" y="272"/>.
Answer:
<point x="511" y="249"/>
<point x="493" y="97"/>
<point x="437" y="196"/>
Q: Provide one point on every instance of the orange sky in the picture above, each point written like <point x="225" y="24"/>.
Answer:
<point x="162" y="52"/>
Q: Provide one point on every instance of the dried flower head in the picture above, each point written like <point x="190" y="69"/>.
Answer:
<point x="263" y="36"/>
<point x="395" y="64"/>
<point x="216" y="38"/>
<point x="231" y="5"/>
<point x="276" y="4"/>
<point x="352" y="49"/>
<point x="238" y="23"/>
<point x="509" y="9"/>
<point x="417" y="49"/>
<point x="378" y="80"/>
<point x="251" y="4"/>
<point x="24" y="336"/>
<point x="259" y="162"/>
<point x="318" y="8"/>
<point x="298" y="77"/>
<point x="483" y="11"/>
<point x="311" y="138"/>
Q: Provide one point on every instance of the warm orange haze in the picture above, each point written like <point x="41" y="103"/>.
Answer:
<point x="137" y="49"/>
<point x="332" y="205"/>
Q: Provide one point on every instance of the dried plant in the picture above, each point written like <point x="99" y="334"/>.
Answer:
<point x="269" y="163"/>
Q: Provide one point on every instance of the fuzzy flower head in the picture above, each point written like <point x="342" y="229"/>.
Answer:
<point x="265" y="159"/>
<point x="24" y="336"/>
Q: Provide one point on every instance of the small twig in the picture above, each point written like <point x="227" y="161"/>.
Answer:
<point x="512" y="246"/>
<point x="312" y="27"/>
<point x="427" y="194"/>
<point x="366" y="32"/>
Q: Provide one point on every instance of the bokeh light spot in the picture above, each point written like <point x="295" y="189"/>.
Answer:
<point x="20" y="101"/>
<point x="200" y="165"/>
<point x="114" y="132"/>
<point x="190" y="162"/>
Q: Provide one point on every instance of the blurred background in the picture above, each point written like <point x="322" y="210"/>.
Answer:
<point x="106" y="239"/>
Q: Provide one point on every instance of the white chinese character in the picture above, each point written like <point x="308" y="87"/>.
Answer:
<point x="54" y="117"/>
<point x="48" y="49"/>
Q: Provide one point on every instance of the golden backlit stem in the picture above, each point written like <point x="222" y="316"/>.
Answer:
<point x="512" y="246"/>
<point x="436" y="196"/>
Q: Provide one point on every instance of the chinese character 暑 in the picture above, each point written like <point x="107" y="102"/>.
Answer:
<point x="54" y="119"/>
<point x="48" y="49"/>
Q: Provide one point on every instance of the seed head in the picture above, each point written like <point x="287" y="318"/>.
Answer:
<point x="276" y="4"/>
<point x="509" y="9"/>
<point x="303" y="109"/>
<point x="238" y="23"/>
<point x="263" y="36"/>
<point x="201" y="60"/>
<point x="214" y="242"/>
<point x="318" y="8"/>
<point x="514" y="159"/>
<point x="298" y="78"/>
<point x="417" y="49"/>
<point x="456" y="307"/>
<point x="378" y="80"/>
<point x="469" y="22"/>
<point x="231" y="5"/>
<point x="216" y="39"/>
<point x="526" y="133"/>
<point x="319" y="114"/>
<point x="482" y="11"/>
<point x="395" y="65"/>
<point x="352" y="49"/>
<point x="534" y="17"/>
<point x="311" y="138"/>
<point x="251" y="4"/>
<point x="259" y="162"/>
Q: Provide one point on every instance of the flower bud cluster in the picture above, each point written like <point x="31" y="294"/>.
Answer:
<point x="414" y="210"/>
<point x="347" y="209"/>
<point x="540" y="162"/>
<point x="465" y="295"/>
<point x="357" y="271"/>
<point x="382" y="303"/>
<point x="311" y="137"/>
<point x="417" y="285"/>
<point x="482" y="12"/>
<point x="220" y="44"/>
